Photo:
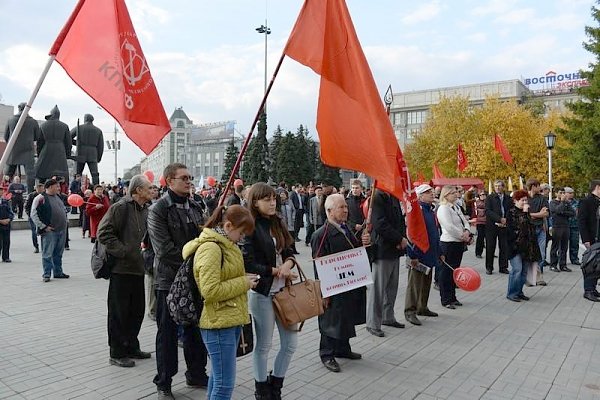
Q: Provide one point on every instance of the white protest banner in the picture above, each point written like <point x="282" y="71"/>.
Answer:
<point x="344" y="271"/>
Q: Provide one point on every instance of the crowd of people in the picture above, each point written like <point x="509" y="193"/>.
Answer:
<point x="244" y="251"/>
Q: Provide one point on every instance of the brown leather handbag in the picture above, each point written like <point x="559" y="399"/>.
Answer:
<point x="295" y="303"/>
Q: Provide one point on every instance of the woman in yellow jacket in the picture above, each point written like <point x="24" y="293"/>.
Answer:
<point x="221" y="278"/>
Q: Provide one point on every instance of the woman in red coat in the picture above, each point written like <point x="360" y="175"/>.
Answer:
<point x="96" y="208"/>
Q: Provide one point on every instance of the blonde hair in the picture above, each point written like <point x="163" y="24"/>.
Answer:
<point x="445" y="190"/>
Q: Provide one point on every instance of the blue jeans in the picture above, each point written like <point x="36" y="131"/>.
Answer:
<point x="221" y="345"/>
<point x="540" y="233"/>
<point x="263" y="315"/>
<point x="34" y="236"/>
<point x="53" y="246"/>
<point x="517" y="277"/>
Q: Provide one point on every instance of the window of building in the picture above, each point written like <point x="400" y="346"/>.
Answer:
<point x="416" y="117"/>
<point x="399" y="118"/>
<point x="180" y="124"/>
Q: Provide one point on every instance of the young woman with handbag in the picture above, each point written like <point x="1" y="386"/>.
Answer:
<point x="223" y="283"/>
<point x="268" y="253"/>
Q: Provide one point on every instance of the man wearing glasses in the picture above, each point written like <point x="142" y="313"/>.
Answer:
<point x="173" y="221"/>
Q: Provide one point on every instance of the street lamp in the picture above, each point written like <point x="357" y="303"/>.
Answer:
<point x="114" y="145"/>
<point x="264" y="29"/>
<point x="550" y="140"/>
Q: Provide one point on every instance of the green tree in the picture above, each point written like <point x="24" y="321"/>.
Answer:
<point x="231" y="155"/>
<point x="302" y="155"/>
<point x="274" y="150"/>
<point x="256" y="159"/>
<point x="286" y="160"/>
<point x="582" y="128"/>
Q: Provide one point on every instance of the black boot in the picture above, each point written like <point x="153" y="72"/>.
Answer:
<point x="263" y="390"/>
<point x="276" y="384"/>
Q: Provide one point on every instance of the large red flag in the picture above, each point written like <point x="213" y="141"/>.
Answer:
<point x="437" y="173"/>
<point x="501" y="148"/>
<point x="461" y="158"/>
<point x="100" y="51"/>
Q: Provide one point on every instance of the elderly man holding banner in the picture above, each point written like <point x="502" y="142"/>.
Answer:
<point x="343" y="277"/>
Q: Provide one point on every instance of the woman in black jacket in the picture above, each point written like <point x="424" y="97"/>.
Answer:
<point x="268" y="253"/>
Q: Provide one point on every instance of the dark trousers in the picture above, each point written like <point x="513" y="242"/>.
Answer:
<point x="17" y="205"/>
<point x="93" y="166"/>
<point x="330" y="347"/>
<point x="166" y="347"/>
<point x="493" y="234"/>
<point x="589" y="283"/>
<point x="310" y="229"/>
<point x="573" y="244"/>
<point x="125" y="313"/>
<point x="298" y="222"/>
<point x="480" y="239"/>
<point x="5" y="243"/>
<point x="417" y="291"/>
<point x="453" y="251"/>
<point x="560" y="244"/>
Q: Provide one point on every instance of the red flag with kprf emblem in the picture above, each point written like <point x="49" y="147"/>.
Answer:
<point x="501" y="148"/>
<point x="461" y="158"/>
<point x="100" y="51"/>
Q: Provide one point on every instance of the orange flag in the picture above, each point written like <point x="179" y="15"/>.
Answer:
<point x="461" y="158"/>
<point x="100" y="51"/>
<point x="354" y="130"/>
<point x="437" y="173"/>
<point x="501" y="148"/>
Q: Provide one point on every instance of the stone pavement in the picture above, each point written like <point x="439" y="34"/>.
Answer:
<point x="53" y="343"/>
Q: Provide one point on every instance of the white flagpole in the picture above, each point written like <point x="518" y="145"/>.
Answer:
<point x="17" y="131"/>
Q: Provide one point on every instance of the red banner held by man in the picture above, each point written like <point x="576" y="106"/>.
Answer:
<point x="100" y="51"/>
<point x="501" y="148"/>
<point x="461" y="159"/>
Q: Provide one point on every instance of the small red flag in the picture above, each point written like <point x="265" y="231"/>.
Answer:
<point x="501" y="148"/>
<point x="461" y="158"/>
<point x="99" y="49"/>
<point x="437" y="173"/>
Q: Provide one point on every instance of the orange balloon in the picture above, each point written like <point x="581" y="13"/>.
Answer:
<point x="211" y="181"/>
<point x="467" y="278"/>
<point x="75" y="200"/>
<point x="150" y="175"/>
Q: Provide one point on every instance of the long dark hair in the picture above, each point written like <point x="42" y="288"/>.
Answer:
<point x="279" y="231"/>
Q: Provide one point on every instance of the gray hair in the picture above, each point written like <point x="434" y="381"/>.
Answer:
<point x="331" y="200"/>
<point x="137" y="182"/>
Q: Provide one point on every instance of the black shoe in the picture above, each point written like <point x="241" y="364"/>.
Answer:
<point x="37" y="250"/>
<point x="295" y="252"/>
<point x="350" y="355"/>
<point x="576" y="262"/>
<point x="67" y="248"/>
<point x="412" y="318"/>
<point x="7" y="260"/>
<point x="478" y="256"/>
<point x="427" y="313"/>
<point x="436" y="286"/>
<point x="504" y="271"/>
<point x="554" y="268"/>
<point x="515" y="299"/>
<point x="332" y="365"/>
<point x="298" y="240"/>
<point x="566" y="269"/>
<point x="393" y="324"/>
<point x="450" y="306"/>
<point x="122" y="362"/>
<point x="375" y="332"/>
<point x="46" y="279"/>
<point x="541" y="283"/>
<point x="200" y="383"/>
<point x="63" y="276"/>
<point x="488" y="272"/>
<point x="591" y="296"/>
<point x="456" y="303"/>
<point x="523" y="297"/>
<point x="140" y="355"/>
<point x="165" y="394"/>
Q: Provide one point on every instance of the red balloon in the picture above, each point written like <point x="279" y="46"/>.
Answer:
<point x="8" y="196"/>
<point x="467" y="279"/>
<point x="150" y="175"/>
<point x="162" y="181"/>
<point x="75" y="200"/>
<point x="211" y="181"/>
<point x="238" y="182"/>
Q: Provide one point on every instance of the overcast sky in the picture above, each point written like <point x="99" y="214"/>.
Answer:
<point x="207" y="57"/>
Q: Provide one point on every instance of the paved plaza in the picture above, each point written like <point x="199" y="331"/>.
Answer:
<point x="53" y="343"/>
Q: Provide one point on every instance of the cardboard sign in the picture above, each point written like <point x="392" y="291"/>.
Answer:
<point x="344" y="271"/>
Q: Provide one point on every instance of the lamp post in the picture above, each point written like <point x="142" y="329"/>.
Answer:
<point x="264" y="29"/>
<point x="114" y="145"/>
<point x="550" y="140"/>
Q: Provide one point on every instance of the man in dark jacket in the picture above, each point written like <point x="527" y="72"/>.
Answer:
<point x="389" y="236"/>
<point x="6" y="217"/>
<point x="496" y="209"/>
<point x="355" y="200"/>
<point x="419" y="283"/>
<point x="39" y="189"/>
<point x="236" y="197"/>
<point x="300" y="204"/>
<point x="589" y="221"/>
<point x="561" y="211"/>
<point x="344" y="310"/>
<point x="16" y="189"/>
<point x="173" y="221"/>
<point x="539" y="211"/>
<point x="22" y="153"/>
<point x="90" y="146"/>
<point x="121" y="231"/>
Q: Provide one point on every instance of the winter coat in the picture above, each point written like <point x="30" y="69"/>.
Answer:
<point x="522" y="238"/>
<point x="348" y="309"/>
<point x="96" y="214"/>
<point x="589" y="218"/>
<point x="121" y="230"/>
<point x="220" y="276"/>
<point x="561" y="212"/>
<point x="388" y="226"/>
<point x="23" y="151"/>
<point x="53" y="147"/>
<point x="355" y="212"/>
<point x="89" y="141"/>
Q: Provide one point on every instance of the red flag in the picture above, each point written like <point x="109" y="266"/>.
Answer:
<point x="437" y="173"/>
<point x="350" y="114"/>
<point x="100" y="51"/>
<point x="461" y="158"/>
<point x="501" y="148"/>
<point x="421" y="177"/>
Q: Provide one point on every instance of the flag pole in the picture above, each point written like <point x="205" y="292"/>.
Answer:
<point x="15" y="134"/>
<point x="236" y="167"/>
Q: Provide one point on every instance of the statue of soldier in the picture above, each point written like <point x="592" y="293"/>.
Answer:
<point x="53" y="148"/>
<point x="23" y="151"/>
<point x="90" y="146"/>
